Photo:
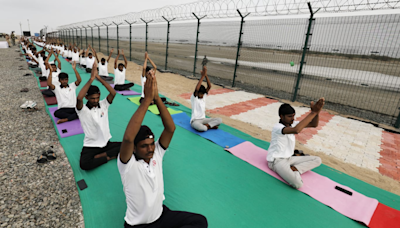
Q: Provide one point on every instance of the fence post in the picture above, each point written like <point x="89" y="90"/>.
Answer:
<point x="146" y="22"/>
<point x="117" y="33"/>
<point x="91" y="28"/>
<point x="107" y="37"/>
<point x="239" y="45"/>
<point x="85" y="35"/>
<point x="69" y="35"/>
<point x="73" y="38"/>
<point x="98" y="29"/>
<point x="305" y="49"/>
<point x="397" y="124"/>
<point x="130" y="39"/>
<point x="81" y="37"/>
<point x="197" y="40"/>
<point x="77" y="40"/>
<point x="166" y="50"/>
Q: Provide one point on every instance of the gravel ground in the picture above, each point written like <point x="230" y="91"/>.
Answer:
<point x="31" y="194"/>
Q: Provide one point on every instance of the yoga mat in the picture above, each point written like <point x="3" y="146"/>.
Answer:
<point x="43" y="84"/>
<point x="126" y="92"/>
<point x="218" y="136"/>
<point x="385" y="216"/>
<point x="68" y="128"/>
<point x="356" y="206"/>
<point x="50" y="100"/>
<point x="153" y="108"/>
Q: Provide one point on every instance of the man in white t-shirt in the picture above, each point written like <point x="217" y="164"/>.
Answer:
<point x="281" y="157"/>
<point x="146" y="71"/>
<point x="103" y="65"/>
<point x="140" y="167"/>
<point x="199" y="121"/>
<point x="119" y="74"/>
<point x="66" y="95"/>
<point x="97" y="149"/>
<point x="90" y="60"/>
<point x="56" y="70"/>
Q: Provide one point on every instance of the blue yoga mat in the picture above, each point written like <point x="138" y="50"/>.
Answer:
<point x="217" y="136"/>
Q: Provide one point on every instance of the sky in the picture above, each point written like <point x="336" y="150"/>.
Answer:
<point x="53" y="13"/>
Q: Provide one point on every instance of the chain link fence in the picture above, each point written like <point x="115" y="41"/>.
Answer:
<point x="352" y="61"/>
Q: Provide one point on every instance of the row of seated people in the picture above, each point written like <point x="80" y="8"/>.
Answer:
<point x="139" y="156"/>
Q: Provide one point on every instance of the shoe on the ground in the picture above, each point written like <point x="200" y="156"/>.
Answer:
<point x="28" y="105"/>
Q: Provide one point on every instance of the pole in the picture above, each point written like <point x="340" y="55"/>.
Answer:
<point x="239" y="45"/>
<point x="197" y="40"/>
<point x="117" y="34"/>
<point x="81" y="37"/>
<point x="305" y="49"/>
<point x="146" y="22"/>
<point x="20" y="27"/>
<point x="98" y="29"/>
<point x="73" y="38"/>
<point x="107" y="37"/>
<point x="85" y="35"/>
<point x="166" y="50"/>
<point x="130" y="39"/>
<point x="397" y="124"/>
<point x="91" y="28"/>
<point x="29" y="26"/>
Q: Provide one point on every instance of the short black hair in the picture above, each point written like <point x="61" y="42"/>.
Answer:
<point x="63" y="75"/>
<point x="103" y="59"/>
<point x="121" y="65"/>
<point x="148" y="69"/>
<point x="144" y="133"/>
<point x="93" y="90"/>
<point x="90" y="54"/>
<point x="53" y="64"/>
<point x="286" y="109"/>
<point x="202" y="89"/>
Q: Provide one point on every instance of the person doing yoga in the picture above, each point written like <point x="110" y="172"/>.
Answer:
<point x="89" y="60"/>
<point x="66" y="95"/>
<point x="103" y="65"/>
<point x="282" y="157"/>
<point x="199" y="121"/>
<point x="97" y="149"/>
<point x="56" y="70"/>
<point x="119" y="74"/>
<point x="146" y="72"/>
<point x="140" y="166"/>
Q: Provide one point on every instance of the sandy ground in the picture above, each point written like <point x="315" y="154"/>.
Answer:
<point x="173" y="85"/>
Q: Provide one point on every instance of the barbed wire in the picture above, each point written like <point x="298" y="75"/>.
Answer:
<point x="227" y="8"/>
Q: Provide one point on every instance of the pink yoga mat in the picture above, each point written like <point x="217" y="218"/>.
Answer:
<point x="43" y="84"/>
<point x="126" y="92"/>
<point x="68" y="128"/>
<point x="357" y="206"/>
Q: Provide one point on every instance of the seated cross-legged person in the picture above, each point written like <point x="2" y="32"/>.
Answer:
<point x="103" y="66"/>
<point x="140" y="166"/>
<point x="55" y="72"/>
<point x="97" y="149"/>
<point x="198" y="99"/>
<point x="119" y="74"/>
<point x="146" y="71"/>
<point x="66" y="96"/>
<point x="281" y="151"/>
<point x="82" y="59"/>
<point x="89" y="60"/>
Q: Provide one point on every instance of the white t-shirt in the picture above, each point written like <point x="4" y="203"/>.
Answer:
<point x="198" y="107"/>
<point x="282" y="145"/>
<point x="143" y="80"/>
<point x="75" y="56"/>
<point x="83" y="60"/>
<point x="95" y="124"/>
<point x="89" y="62"/>
<point x="66" y="97"/>
<point x="103" y="69"/>
<point x="143" y="187"/>
<point x="54" y="77"/>
<point x="119" y="77"/>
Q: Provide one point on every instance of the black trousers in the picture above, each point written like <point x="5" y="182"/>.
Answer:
<point x="163" y="99"/>
<point x="88" y="70"/>
<point x="175" y="219"/>
<point x="48" y="93"/>
<point x="42" y="78"/>
<point x="123" y="86"/>
<point x="68" y="113"/>
<point x="88" y="161"/>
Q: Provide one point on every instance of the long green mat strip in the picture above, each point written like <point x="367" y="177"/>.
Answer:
<point x="201" y="177"/>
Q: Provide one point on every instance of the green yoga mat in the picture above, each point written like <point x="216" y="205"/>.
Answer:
<point x="152" y="108"/>
<point x="201" y="177"/>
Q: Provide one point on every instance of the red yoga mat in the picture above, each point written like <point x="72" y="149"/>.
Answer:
<point x="50" y="100"/>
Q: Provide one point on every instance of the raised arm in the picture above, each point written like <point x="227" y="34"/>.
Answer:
<point x="153" y="64"/>
<point x="196" y="90"/>
<point x="95" y="54"/>
<point x="315" y="109"/>
<point x="208" y="80"/>
<point x="85" y="88"/>
<point x="168" y="122"/>
<point x="87" y="52"/>
<point x="126" y="61"/>
<point x="110" y="89"/>
<point x="78" y="76"/>
<point x="116" y="61"/>
<point x="58" y="60"/>
<point x="50" y="78"/>
<point x="46" y="63"/>
<point x="135" y="123"/>
<point x="109" y="57"/>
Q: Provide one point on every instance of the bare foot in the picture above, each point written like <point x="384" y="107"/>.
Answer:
<point x="294" y="168"/>
<point x="215" y="127"/>
<point x="208" y="126"/>
<point x="62" y="121"/>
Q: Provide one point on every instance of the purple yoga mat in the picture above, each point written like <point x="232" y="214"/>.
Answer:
<point x="66" y="129"/>
<point x="126" y="92"/>
<point x="357" y="206"/>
